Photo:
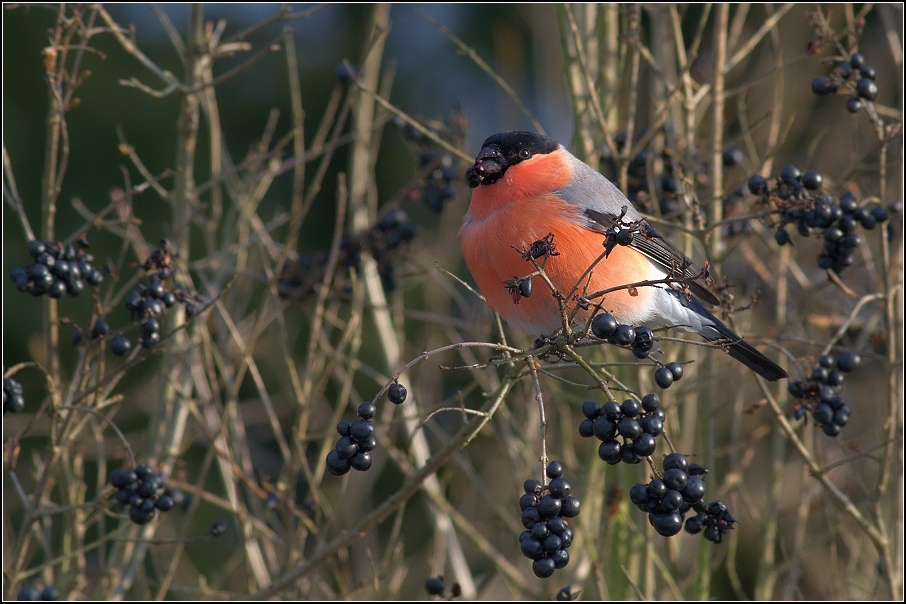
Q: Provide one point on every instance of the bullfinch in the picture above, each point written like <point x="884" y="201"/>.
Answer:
<point x="526" y="186"/>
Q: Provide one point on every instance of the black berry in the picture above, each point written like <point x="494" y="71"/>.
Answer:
<point x="823" y="85"/>
<point x="790" y="173"/>
<point x="812" y="180"/>
<point x="367" y="410"/>
<point x="361" y="461"/>
<point x="732" y="156"/>
<point x="397" y="394"/>
<point x="603" y="326"/>
<point x="218" y="527"/>
<point x="757" y="184"/>
<point x="337" y="465"/>
<point x="624" y="335"/>
<point x="848" y="361"/>
<point x="667" y="524"/>
<point x="435" y="586"/>
<point x="867" y="89"/>
<point x="13" y="400"/>
<point x="120" y="345"/>
<point x="677" y="370"/>
<point x="663" y="377"/>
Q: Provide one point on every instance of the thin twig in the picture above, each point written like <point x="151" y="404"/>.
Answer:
<point x="470" y="52"/>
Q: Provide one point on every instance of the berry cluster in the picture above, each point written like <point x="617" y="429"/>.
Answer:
<point x="547" y="536"/>
<point x="798" y="202"/>
<point x="667" y="499"/>
<point x="854" y="70"/>
<point x="440" y="168"/>
<point x="58" y="269"/>
<point x="147" y="302"/>
<point x="792" y="184"/>
<point x="13" y="401"/>
<point x="160" y="262"/>
<point x="144" y="491"/>
<point x="356" y="442"/>
<point x="301" y="274"/>
<point x="669" y="373"/>
<point x="32" y="594"/>
<point x="638" y="424"/>
<point x="819" y="392"/>
<point x="714" y="518"/>
<point x="638" y="339"/>
<point x="390" y="232"/>
<point x="606" y="327"/>
<point x="438" y="188"/>
<point x="668" y="185"/>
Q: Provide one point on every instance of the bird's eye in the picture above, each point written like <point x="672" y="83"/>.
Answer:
<point x="524" y="154"/>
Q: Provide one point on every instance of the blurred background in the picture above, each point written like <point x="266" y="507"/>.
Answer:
<point x="793" y="542"/>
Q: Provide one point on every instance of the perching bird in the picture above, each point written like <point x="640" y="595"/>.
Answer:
<point x="526" y="186"/>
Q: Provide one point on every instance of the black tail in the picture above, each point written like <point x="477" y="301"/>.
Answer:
<point x="743" y="352"/>
<point x="738" y="348"/>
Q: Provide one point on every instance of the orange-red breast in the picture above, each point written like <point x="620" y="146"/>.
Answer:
<point x="525" y="186"/>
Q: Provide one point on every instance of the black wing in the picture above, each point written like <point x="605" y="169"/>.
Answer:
<point x="647" y="241"/>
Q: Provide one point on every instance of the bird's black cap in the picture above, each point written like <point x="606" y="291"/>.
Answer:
<point x="505" y="149"/>
<point x="511" y="143"/>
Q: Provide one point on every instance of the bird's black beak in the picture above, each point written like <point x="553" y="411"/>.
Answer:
<point x="487" y="169"/>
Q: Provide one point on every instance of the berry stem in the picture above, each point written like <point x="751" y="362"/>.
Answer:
<point x="594" y="374"/>
<point x="852" y="317"/>
<point x="539" y="398"/>
<point x="109" y="422"/>
<point x="557" y="294"/>
<point x="430" y="353"/>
